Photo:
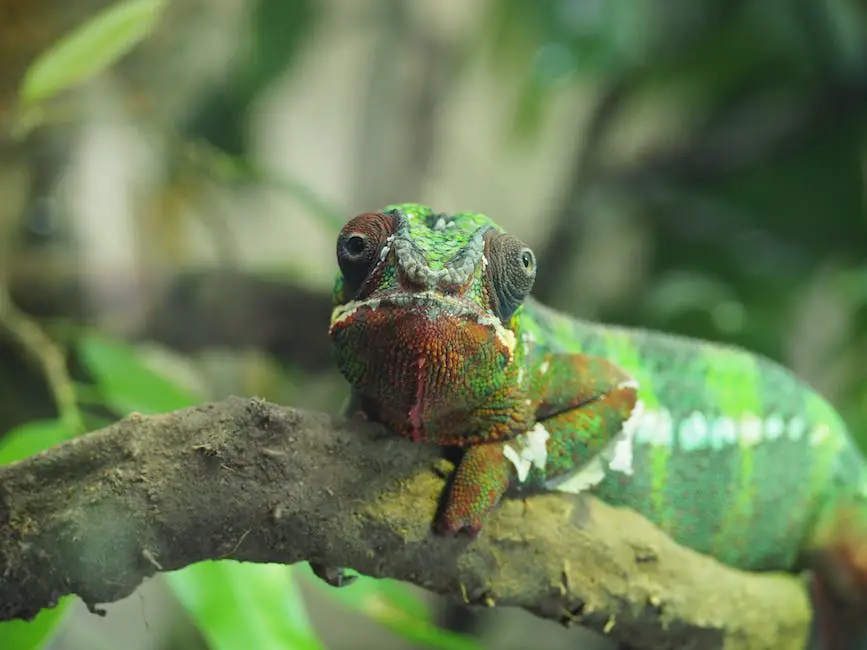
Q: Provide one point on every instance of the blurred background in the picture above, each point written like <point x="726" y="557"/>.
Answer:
<point x="167" y="225"/>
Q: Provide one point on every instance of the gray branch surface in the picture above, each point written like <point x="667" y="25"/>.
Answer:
<point x="248" y="480"/>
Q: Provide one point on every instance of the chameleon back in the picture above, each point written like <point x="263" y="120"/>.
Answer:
<point x="732" y="455"/>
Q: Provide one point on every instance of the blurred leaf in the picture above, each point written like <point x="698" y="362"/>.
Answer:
<point x="678" y="292"/>
<point x="31" y="438"/>
<point x="239" y="606"/>
<point x="514" y="30"/>
<point x="281" y="29"/>
<point x="95" y="45"/>
<point x="366" y="588"/>
<point x="278" y="30"/>
<point x="846" y="20"/>
<point x="393" y="605"/>
<point x="127" y="384"/>
<point x="852" y="285"/>
<point x="809" y="190"/>
<point x="93" y="422"/>
<point x="400" y="596"/>
<point x="229" y="168"/>
<point x="565" y="41"/>
<point x="529" y="111"/>
<point x="38" y="633"/>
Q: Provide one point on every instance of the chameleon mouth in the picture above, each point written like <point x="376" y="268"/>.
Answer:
<point x="413" y="358"/>
<point x="426" y="300"/>
<point x="432" y="304"/>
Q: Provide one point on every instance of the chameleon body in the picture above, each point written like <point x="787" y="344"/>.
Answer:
<point x="726" y="451"/>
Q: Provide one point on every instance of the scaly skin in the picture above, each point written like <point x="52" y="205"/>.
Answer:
<point x="726" y="451"/>
<point x="429" y="328"/>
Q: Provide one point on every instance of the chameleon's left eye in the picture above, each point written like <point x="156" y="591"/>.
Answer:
<point x="528" y="260"/>
<point x="511" y="272"/>
<point x="358" y="247"/>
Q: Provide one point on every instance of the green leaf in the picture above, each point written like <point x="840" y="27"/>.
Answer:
<point x="230" y="168"/>
<point x="31" y="438"/>
<point x="27" y="635"/>
<point x="94" y="46"/>
<point x="362" y="593"/>
<point x="126" y="383"/>
<point x="392" y="604"/>
<point x="238" y="606"/>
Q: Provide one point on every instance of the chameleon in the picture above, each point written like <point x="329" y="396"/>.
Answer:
<point x="728" y="452"/>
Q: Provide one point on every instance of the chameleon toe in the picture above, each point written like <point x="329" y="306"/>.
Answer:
<point x="448" y="525"/>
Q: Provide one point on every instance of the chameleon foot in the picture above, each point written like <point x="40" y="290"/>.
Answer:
<point x="480" y="481"/>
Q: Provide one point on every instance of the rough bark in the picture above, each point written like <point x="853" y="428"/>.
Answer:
<point x="248" y="480"/>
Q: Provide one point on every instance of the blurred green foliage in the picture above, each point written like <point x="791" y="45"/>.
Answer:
<point x="761" y="194"/>
<point x="393" y="605"/>
<point x="756" y="206"/>
<point x="94" y="46"/>
<point x="126" y="384"/>
<point x="38" y="633"/>
<point x="239" y="606"/>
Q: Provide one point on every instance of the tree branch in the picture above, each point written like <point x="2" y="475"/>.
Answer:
<point x="248" y="480"/>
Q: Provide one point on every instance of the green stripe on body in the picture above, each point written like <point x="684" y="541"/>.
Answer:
<point x="783" y="461"/>
<point x="676" y="440"/>
<point x="622" y="348"/>
<point x="698" y="478"/>
<point x="825" y="440"/>
<point x="733" y="384"/>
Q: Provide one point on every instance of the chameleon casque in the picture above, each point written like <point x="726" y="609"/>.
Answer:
<point x="726" y="451"/>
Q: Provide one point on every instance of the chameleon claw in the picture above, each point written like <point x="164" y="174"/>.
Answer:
<point x="473" y="532"/>
<point x="450" y="526"/>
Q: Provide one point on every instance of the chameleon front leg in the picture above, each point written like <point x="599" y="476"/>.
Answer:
<point x="480" y="480"/>
<point x="582" y="403"/>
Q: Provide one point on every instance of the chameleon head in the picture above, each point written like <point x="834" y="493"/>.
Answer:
<point x="424" y="310"/>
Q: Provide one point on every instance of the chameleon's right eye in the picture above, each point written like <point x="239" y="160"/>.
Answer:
<point x="359" y="245"/>
<point x="355" y="245"/>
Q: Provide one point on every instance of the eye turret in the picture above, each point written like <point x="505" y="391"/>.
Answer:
<point x="511" y="272"/>
<point x="359" y="247"/>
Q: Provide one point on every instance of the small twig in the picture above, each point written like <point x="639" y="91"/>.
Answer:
<point x="48" y="355"/>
